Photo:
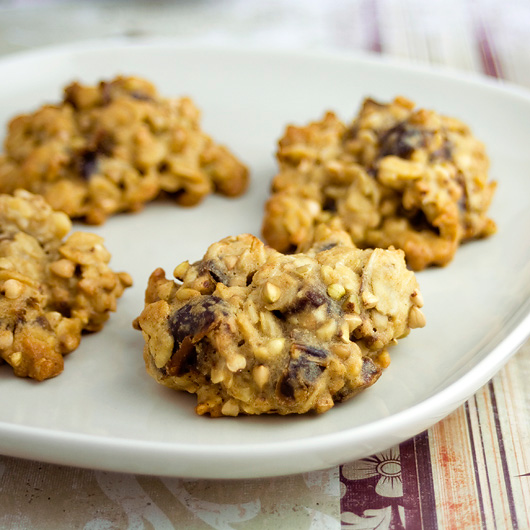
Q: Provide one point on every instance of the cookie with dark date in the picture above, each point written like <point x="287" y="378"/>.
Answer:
<point x="52" y="287"/>
<point x="113" y="147"/>
<point x="253" y="331"/>
<point x="397" y="176"/>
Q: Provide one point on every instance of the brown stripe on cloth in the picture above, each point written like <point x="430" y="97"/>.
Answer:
<point x="488" y="54"/>
<point x="502" y="454"/>
<point x="489" y="465"/>
<point x="418" y="489"/>
<point x="473" y="441"/>
<point x="371" y="22"/>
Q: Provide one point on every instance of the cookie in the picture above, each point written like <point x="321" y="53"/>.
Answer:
<point x="252" y="331"/>
<point x="112" y="147"/>
<point x="397" y="176"/>
<point x="52" y="288"/>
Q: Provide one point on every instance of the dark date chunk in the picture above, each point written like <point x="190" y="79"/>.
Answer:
<point x="330" y="204"/>
<point x="324" y="247"/>
<point x="306" y="299"/>
<point x="419" y="221"/>
<point x="370" y="373"/>
<point x="42" y="322"/>
<point x="305" y="366"/>
<point x="86" y="160"/>
<point x="310" y="352"/>
<point x="140" y="96"/>
<point x="106" y="92"/>
<point x="463" y="200"/>
<point x="87" y="163"/>
<point x="189" y="325"/>
<point x="401" y="140"/>
<point x="196" y="318"/>
<point x="218" y="275"/>
<point x="445" y="152"/>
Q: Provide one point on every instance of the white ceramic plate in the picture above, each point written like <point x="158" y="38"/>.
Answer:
<point x="105" y="412"/>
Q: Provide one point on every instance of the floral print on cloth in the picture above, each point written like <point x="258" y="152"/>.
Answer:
<point x="55" y="497"/>
<point x="372" y="492"/>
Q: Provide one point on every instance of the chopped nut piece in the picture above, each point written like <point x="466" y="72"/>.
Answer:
<point x="230" y="408"/>
<point x="353" y="320"/>
<point x="268" y="324"/>
<point x="13" y="289"/>
<point x="327" y="330"/>
<point x="341" y="350"/>
<point x="261" y="375"/>
<point x="383" y="360"/>
<point x="236" y="363"/>
<point x="180" y="270"/>
<point x="336" y="291"/>
<point x="327" y="274"/>
<point x="271" y="293"/>
<point x="369" y="299"/>
<point x="417" y="298"/>
<point x="276" y="346"/>
<point x="15" y="358"/>
<point x="164" y="291"/>
<point x="416" y="318"/>
<point x="125" y="279"/>
<point x="186" y="294"/>
<point x="344" y="333"/>
<point x="6" y="339"/>
<point x="303" y="269"/>
<point x="63" y="268"/>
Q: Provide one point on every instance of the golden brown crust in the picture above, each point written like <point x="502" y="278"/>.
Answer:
<point x="113" y="147"/>
<point x="398" y="176"/>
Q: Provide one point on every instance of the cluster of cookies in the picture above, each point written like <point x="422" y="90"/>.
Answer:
<point x="295" y="326"/>
<point x="103" y="149"/>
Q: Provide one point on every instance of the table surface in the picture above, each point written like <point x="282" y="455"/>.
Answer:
<point x="471" y="470"/>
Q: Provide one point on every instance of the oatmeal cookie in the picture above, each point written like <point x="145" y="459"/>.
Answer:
<point x="397" y="176"/>
<point x="51" y="288"/>
<point x="112" y="147"/>
<point x="253" y="331"/>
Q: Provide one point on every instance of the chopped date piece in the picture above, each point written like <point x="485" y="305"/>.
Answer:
<point x="87" y="163"/>
<point x="305" y="366"/>
<point x="401" y="140"/>
<point x="195" y="318"/>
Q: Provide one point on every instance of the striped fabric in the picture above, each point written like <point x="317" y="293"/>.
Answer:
<point x="471" y="470"/>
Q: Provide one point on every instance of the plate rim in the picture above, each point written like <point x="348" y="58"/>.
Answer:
<point x="448" y="399"/>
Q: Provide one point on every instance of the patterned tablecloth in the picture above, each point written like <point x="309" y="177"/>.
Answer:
<point x="471" y="470"/>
